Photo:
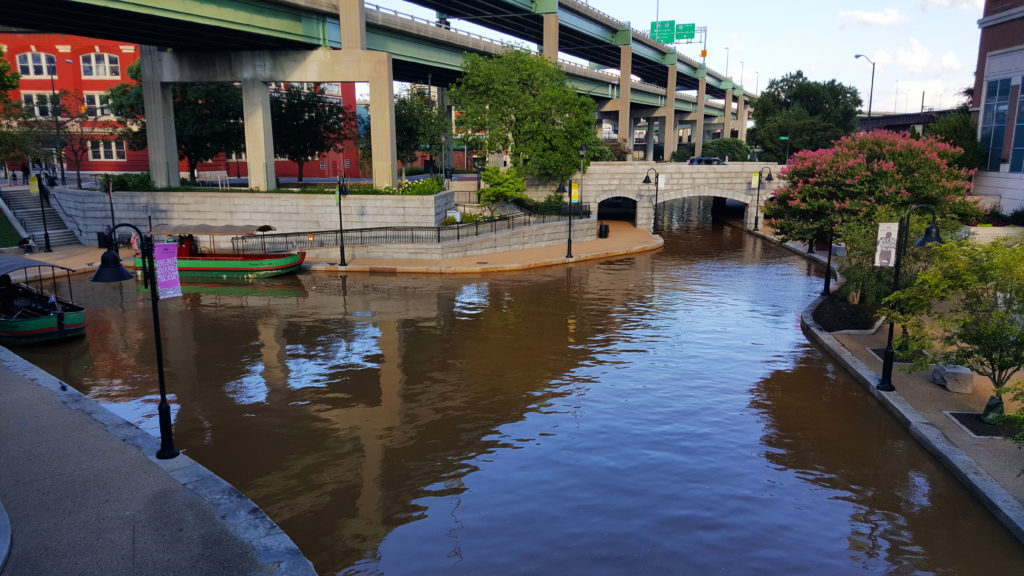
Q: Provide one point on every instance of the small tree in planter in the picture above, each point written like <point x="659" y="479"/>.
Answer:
<point x="501" y="187"/>
<point x="984" y="327"/>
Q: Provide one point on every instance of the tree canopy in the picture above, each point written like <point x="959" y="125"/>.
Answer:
<point x="810" y="114"/>
<point x="207" y="117"/>
<point x="524" y="105"/>
<point x="18" y="139"/>
<point x="842" y="192"/>
<point x="307" y="123"/>
<point x="419" y="127"/>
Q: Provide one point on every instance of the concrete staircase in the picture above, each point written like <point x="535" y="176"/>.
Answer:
<point x="25" y="207"/>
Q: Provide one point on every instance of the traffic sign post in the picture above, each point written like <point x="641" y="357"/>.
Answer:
<point x="664" y="31"/>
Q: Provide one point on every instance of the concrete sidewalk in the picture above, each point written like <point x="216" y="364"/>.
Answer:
<point x="85" y="495"/>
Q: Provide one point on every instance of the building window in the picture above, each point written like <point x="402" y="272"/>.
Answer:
<point x="993" y="121"/>
<point x="106" y="150"/>
<point x="96" y="104"/>
<point x="100" y="66"/>
<point x="37" y="103"/>
<point x="1017" y="157"/>
<point x="37" y="65"/>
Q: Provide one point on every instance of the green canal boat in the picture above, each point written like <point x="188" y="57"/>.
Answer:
<point x="209" y="259"/>
<point x="29" y="313"/>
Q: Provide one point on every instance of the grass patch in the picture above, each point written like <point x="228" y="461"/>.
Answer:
<point x="8" y="235"/>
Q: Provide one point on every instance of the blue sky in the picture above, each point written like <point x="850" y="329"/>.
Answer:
<point x="928" y="46"/>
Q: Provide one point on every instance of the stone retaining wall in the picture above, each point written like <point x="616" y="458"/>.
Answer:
<point x="87" y="212"/>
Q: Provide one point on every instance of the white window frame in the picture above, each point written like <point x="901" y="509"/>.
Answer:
<point x="40" y="101"/>
<point x="94" y="61"/>
<point x="100" y="106"/>
<point x="37" y="64"/>
<point x="99" y="150"/>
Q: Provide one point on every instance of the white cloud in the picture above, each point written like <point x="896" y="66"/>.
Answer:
<point x="887" y="17"/>
<point x="967" y="5"/>
<point x="950" y="63"/>
<point x="916" y="59"/>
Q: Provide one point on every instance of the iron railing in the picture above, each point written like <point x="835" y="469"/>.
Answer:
<point x="291" y="241"/>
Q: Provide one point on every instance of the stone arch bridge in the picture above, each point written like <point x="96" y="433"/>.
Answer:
<point x="733" y="181"/>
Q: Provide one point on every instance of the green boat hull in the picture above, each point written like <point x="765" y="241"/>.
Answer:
<point x="42" y="328"/>
<point x="236" y="266"/>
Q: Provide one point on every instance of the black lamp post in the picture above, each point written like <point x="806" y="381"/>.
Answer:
<point x="561" y="190"/>
<point x="342" y="191"/>
<point x="931" y="235"/>
<point x="871" y="93"/>
<point x="110" y="198"/>
<point x="647" y="180"/>
<point x="42" y="212"/>
<point x="111" y="270"/>
<point x="757" y="204"/>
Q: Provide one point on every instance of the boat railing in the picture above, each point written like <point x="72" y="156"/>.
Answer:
<point x="293" y="241"/>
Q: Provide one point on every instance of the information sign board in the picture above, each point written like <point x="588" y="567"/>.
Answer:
<point x="686" y="31"/>
<point x="664" y="31"/>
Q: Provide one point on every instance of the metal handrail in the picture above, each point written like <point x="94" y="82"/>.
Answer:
<point x="377" y="8"/>
<point x="292" y="241"/>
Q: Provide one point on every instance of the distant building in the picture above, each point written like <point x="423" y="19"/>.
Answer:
<point x="85" y="68"/>
<point x="998" y="106"/>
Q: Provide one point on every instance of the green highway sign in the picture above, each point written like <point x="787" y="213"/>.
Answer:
<point x="664" y="31"/>
<point x="686" y="31"/>
<point x="783" y="137"/>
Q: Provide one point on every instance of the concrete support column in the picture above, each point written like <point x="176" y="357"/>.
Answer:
<point x="161" y="143"/>
<point x="702" y="88"/>
<point x="259" y="137"/>
<point x="741" y="113"/>
<point x="625" y="85"/>
<point x="353" y="24"/>
<point x="551" y="37"/>
<point x="382" y="124"/>
<point x="727" y="119"/>
<point x="669" y="136"/>
<point x="649" y="136"/>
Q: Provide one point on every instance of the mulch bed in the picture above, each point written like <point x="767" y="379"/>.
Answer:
<point x="834" y="314"/>
<point x="972" y="421"/>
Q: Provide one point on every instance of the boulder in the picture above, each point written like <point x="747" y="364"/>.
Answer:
<point x="954" y="378"/>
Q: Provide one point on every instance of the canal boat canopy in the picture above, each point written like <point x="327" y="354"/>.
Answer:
<point x="29" y="313"/>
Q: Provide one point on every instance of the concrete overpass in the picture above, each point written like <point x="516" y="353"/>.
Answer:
<point x="208" y="36"/>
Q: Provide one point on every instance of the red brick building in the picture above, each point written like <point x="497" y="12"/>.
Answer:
<point x="83" y="69"/>
<point x="998" y="105"/>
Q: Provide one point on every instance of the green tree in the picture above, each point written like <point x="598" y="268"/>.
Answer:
<point x="841" y="193"/>
<point x="811" y="115"/>
<point x="733" y="148"/>
<point x="501" y="187"/>
<point x="524" y="105"/>
<point x="307" y="123"/>
<point x="983" y="329"/>
<point x="18" y="138"/>
<point x="419" y="127"/>
<point x="960" y="131"/>
<point x="207" y="117"/>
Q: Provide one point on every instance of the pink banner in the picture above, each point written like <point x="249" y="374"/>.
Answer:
<point x="167" y="282"/>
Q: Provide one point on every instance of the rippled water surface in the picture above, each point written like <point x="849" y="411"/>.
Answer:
<point x="661" y="413"/>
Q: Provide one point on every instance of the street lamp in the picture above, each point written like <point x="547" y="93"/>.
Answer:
<point x="54" y="106"/>
<point x="757" y="203"/>
<point x="42" y="212"/>
<point x="111" y="270"/>
<point x="561" y="190"/>
<point x="341" y="191"/>
<point x="871" y="94"/>
<point x="647" y="180"/>
<point x="931" y="235"/>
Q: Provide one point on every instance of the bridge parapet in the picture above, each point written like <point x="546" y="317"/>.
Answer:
<point x="734" y="181"/>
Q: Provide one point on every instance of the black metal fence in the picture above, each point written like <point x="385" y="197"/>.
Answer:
<point x="291" y="241"/>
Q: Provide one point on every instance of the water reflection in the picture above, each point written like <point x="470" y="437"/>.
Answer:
<point x="660" y="412"/>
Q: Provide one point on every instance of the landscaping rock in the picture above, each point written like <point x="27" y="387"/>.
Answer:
<point x="954" y="378"/>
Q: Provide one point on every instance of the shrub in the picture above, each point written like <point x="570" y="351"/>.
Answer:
<point x="129" y="182"/>
<point x="683" y="153"/>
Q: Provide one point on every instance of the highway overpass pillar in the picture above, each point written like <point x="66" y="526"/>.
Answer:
<point x="551" y="37"/>
<point x="727" y="118"/>
<point x="669" y="133"/>
<point x="741" y="113"/>
<point x="161" y="143"/>
<point x="259" y="138"/>
<point x="353" y="24"/>
<point x="625" y="83"/>
<point x="702" y="89"/>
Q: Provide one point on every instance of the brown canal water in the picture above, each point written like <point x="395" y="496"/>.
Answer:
<point x="661" y="413"/>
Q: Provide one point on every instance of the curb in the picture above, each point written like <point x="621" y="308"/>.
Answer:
<point x="274" y="551"/>
<point x="979" y="483"/>
<point x="5" y="536"/>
